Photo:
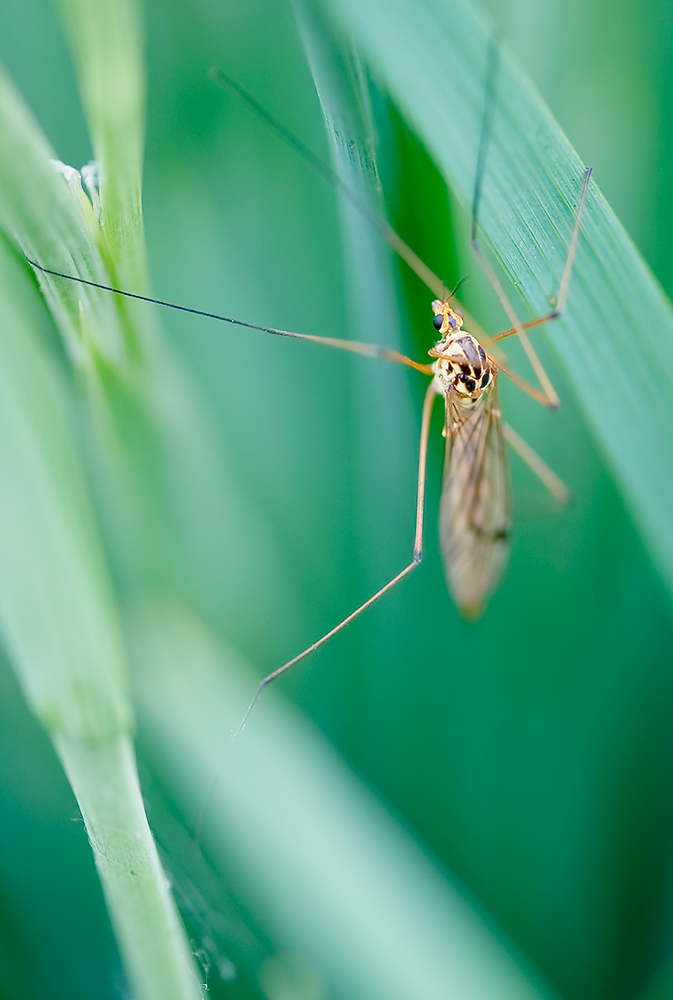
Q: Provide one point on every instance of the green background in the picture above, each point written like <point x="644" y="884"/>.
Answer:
<point x="530" y="753"/>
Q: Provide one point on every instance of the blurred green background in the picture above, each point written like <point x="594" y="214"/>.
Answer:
<point x="531" y="753"/>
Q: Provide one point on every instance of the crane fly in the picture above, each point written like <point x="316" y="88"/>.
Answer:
<point x="474" y="508"/>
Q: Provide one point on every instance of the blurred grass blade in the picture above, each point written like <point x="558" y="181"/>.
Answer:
<point x="616" y="338"/>
<point x="327" y="871"/>
<point x="57" y="608"/>
<point x="660" y="986"/>
<point x="60" y="628"/>
<point x="156" y="954"/>
<point x="38" y="212"/>
<point x="56" y="601"/>
<point x="107" y="44"/>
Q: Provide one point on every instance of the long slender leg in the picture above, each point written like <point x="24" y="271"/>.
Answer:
<point x="547" y="476"/>
<point x="325" y="171"/>
<point x="567" y="271"/>
<point x="560" y="302"/>
<point x="538" y="396"/>
<point x="551" y="397"/>
<point x="489" y="107"/>
<point x="430" y="396"/>
<point x="550" y="394"/>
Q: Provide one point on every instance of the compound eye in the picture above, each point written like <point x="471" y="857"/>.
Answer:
<point x="437" y="322"/>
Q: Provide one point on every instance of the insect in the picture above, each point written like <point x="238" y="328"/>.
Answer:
<point x="474" y="508"/>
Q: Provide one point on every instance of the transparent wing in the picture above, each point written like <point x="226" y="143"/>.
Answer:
<point x="474" y="509"/>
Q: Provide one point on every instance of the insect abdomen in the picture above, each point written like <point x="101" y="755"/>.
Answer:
<point x="474" y="510"/>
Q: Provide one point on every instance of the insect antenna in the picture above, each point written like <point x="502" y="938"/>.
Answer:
<point x="354" y="346"/>
<point x="461" y="281"/>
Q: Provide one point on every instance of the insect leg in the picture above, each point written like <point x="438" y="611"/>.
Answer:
<point x="550" y="397"/>
<point x="418" y="545"/>
<point x="325" y="171"/>
<point x="567" y="271"/>
<point x="547" y="476"/>
<point x="538" y="396"/>
<point x="430" y="396"/>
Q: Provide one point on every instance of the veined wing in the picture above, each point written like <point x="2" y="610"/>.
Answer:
<point x="474" y="509"/>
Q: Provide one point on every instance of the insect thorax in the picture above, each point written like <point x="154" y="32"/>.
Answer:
<point x="462" y="365"/>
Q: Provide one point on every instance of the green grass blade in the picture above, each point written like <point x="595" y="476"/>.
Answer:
<point x="40" y="215"/>
<point x="156" y="954"/>
<point x="107" y="44"/>
<point x="327" y="870"/>
<point x="57" y="607"/>
<point x="61" y="630"/>
<point x="616" y="339"/>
